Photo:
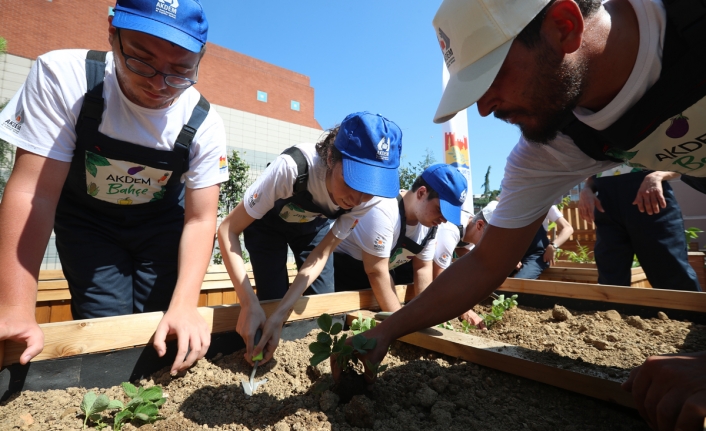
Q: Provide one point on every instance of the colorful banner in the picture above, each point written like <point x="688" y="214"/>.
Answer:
<point x="456" y="149"/>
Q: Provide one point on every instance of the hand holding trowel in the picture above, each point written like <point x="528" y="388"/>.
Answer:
<point x="249" y="387"/>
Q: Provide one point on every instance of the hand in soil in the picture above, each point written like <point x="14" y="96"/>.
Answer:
<point x="193" y="336"/>
<point x="251" y="318"/>
<point x="373" y="356"/>
<point x="471" y="317"/>
<point x="670" y="391"/>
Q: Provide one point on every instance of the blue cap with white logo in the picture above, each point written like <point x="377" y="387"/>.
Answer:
<point x="371" y="146"/>
<point x="182" y="22"/>
<point x="452" y="188"/>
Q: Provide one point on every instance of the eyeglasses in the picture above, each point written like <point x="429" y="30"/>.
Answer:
<point x="143" y="69"/>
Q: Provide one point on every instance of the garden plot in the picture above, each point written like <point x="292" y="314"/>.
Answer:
<point x="421" y="390"/>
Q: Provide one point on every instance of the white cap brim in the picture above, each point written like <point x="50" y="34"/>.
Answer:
<point x="470" y="84"/>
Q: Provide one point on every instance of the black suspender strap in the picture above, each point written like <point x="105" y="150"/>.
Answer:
<point x="302" y="179"/>
<point x="91" y="113"/>
<point x="402" y="240"/>
<point x="188" y="131"/>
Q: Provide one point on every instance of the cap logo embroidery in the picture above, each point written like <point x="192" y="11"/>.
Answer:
<point x="383" y="149"/>
<point x="462" y="198"/>
<point x="167" y="7"/>
<point x="445" y="44"/>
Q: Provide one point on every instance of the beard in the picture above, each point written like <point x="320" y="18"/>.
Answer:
<point x="557" y="87"/>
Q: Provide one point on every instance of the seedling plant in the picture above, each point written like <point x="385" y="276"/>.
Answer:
<point x="499" y="307"/>
<point x="143" y="406"/>
<point x="582" y="255"/>
<point x="329" y="343"/>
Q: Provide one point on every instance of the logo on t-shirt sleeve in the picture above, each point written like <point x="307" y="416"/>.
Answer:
<point x="15" y="124"/>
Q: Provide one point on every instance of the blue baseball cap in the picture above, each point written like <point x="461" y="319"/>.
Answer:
<point x="371" y="146"/>
<point x="182" y="22"/>
<point x="452" y="188"/>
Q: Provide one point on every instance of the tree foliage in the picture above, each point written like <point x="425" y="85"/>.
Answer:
<point x="488" y="193"/>
<point x="410" y="173"/>
<point x="233" y="189"/>
<point x="231" y="193"/>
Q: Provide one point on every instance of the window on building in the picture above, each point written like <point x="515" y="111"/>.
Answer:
<point x="294" y="105"/>
<point x="261" y="96"/>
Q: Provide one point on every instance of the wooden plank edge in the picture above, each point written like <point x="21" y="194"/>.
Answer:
<point x="79" y="337"/>
<point x="674" y="299"/>
<point x="495" y="354"/>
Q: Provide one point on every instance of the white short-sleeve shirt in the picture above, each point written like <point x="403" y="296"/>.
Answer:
<point x="41" y="117"/>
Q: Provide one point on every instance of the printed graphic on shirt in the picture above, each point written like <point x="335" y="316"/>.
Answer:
<point x="379" y="243"/>
<point x="254" y="199"/>
<point x="400" y="257"/>
<point x="445" y="258"/>
<point x="678" y="144"/>
<point x="618" y="170"/>
<point x="15" y="124"/>
<point x="355" y="223"/>
<point x="222" y="164"/>
<point x="123" y="183"/>
<point x="292" y="213"/>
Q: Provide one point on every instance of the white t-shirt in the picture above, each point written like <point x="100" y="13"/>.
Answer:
<point x="447" y="238"/>
<point x="41" y="117"/>
<point x="552" y="216"/>
<point x="378" y="232"/>
<point x="277" y="182"/>
<point x="536" y="175"/>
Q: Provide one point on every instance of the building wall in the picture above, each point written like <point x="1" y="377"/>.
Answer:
<point x="227" y="78"/>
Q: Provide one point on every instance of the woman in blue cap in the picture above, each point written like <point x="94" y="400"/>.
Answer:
<point x="310" y="198"/>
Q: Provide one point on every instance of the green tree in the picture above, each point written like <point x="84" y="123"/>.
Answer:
<point x="488" y="194"/>
<point x="410" y="173"/>
<point x="231" y="193"/>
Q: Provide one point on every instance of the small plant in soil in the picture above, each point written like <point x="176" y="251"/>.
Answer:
<point x="446" y="325"/>
<point x="329" y="343"/>
<point x="499" y="307"/>
<point x="582" y="255"/>
<point x="143" y="406"/>
<point x="362" y="324"/>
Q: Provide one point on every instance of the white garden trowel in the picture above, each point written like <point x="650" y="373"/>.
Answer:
<point x="249" y="387"/>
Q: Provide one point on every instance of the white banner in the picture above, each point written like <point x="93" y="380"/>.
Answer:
<point x="456" y="149"/>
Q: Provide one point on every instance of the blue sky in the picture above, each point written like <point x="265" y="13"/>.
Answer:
<point x="380" y="56"/>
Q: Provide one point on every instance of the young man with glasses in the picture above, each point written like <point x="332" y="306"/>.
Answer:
<point x="123" y="158"/>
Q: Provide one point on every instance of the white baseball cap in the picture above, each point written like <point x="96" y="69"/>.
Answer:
<point x="475" y="37"/>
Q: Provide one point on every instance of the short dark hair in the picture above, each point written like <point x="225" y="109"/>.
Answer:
<point x="431" y="193"/>
<point x="325" y="147"/>
<point x="531" y="34"/>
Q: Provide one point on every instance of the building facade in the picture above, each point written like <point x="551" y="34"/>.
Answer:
<point x="265" y="108"/>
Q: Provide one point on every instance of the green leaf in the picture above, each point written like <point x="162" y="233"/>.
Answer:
<point x="95" y="417"/>
<point x="324" y="338"/>
<point x="100" y="404"/>
<point x="152" y="394"/>
<point x="121" y="418"/>
<point x="359" y="343"/>
<point x="143" y="417"/>
<point x="346" y="351"/>
<point x="324" y="322"/>
<point x="96" y="159"/>
<point x="319" y="348"/>
<point x="116" y="404"/>
<point x="370" y="344"/>
<point x="318" y="358"/>
<point x="87" y="403"/>
<point x="336" y="328"/>
<point x="132" y="405"/>
<point x="148" y="409"/>
<point x="130" y="389"/>
<point x="160" y="401"/>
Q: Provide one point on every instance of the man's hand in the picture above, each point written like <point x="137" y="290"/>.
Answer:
<point x="670" y="391"/>
<point x="193" y="336"/>
<point x="21" y="326"/>
<point x="587" y="202"/>
<point x="471" y="317"/>
<point x="650" y="196"/>
<point x="374" y="356"/>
